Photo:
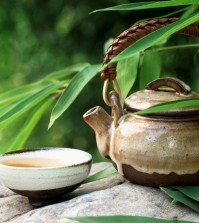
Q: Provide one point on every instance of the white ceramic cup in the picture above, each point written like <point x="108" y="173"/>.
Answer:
<point x="44" y="174"/>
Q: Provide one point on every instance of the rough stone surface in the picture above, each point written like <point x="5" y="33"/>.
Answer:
<point x="111" y="196"/>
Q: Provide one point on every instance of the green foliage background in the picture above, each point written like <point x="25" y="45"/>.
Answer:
<point x="39" y="37"/>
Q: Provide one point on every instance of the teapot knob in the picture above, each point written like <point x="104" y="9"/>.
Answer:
<point x="178" y="85"/>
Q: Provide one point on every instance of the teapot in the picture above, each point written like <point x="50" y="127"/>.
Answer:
<point x="155" y="149"/>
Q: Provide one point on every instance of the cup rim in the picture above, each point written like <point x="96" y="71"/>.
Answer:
<point x="26" y="150"/>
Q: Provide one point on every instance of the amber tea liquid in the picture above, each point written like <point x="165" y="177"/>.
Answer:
<point x="33" y="162"/>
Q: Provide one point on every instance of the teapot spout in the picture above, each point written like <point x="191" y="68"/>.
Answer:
<point x="100" y="122"/>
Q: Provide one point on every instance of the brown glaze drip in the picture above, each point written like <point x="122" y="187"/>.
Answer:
<point x="156" y="179"/>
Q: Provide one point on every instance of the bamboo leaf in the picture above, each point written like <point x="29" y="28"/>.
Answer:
<point x="148" y="5"/>
<point x="189" y="191"/>
<point x="29" y="125"/>
<point x="17" y="93"/>
<point x="107" y="44"/>
<point x="177" y="195"/>
<point x="170" y="105"/>
<point x="72" y="91"/>
<point x="151" y="67"/>
<point x="124" y="219"/>
<point x="108" y="172"/>
<point x="173" y="202"/>
<point x="189" y="10"/>
<point x="10" y="99"/>
<point x="155" y="37"/>
<point x="165" y="15"/>
<point x="66" y="72"/>
<point x="127" y="73"/>
<point x="30" y="101"/>
<point x="4" y="108"/>
<point x="194" y="45"/>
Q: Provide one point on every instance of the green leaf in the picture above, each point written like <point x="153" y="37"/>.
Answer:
<point x="108" y="172"/>
<point x="107" y="44"/>
<point x="155" y="37"/>
<point x="4" y="108"/>
<point x="28" y="102"/>
<point x="176" y="195"/>
<point x="173" y="202"/>
<point x="127" y="73"/>
<point x="151" y="67"/>
<point x="124" y="219"/>
<point x="72" y="91"/>
<point x="165" y="15"/>
<point x="190" y="191"/>
<point x="17" y="93"/>
<point x="29" y="125"/>
<point x="194" y="45"/>
<point x="170" y="105"/>
<point x="148" y="5"/>
<point x="189" y="10"/>
<point x="66" y="72"/>
<point x="11" y="98"/>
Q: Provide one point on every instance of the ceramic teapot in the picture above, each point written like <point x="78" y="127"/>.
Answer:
<point x="155" y="149"/>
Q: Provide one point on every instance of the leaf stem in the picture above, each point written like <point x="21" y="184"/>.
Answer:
<point x="177" y="47"/>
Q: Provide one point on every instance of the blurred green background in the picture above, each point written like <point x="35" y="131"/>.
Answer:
<point x="39" y="37"/>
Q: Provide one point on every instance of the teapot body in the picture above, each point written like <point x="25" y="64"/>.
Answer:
<point x="154" y="151"/>
<point x="163" y="147"/>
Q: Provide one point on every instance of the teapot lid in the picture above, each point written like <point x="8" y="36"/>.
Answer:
<point x="156" y="93"/>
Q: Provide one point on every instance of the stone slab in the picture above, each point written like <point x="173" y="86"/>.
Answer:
<point x="111" y="196"/>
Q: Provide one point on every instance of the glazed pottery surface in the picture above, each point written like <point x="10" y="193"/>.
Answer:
<point x="153" y="149"/>
<point x="154" y="152"/>
<point x="44" y="174"/>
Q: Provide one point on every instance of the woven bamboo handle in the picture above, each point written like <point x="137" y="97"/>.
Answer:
<point x="133" y="34"/>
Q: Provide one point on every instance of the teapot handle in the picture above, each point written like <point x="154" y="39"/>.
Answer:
<point x="129" y="37"/>
<point x="171" y="82"/>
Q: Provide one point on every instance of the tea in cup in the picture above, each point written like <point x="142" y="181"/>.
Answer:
<point x="44" y="174"/>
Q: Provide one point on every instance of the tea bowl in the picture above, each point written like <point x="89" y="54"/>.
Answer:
<point x="44" y="175"/>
